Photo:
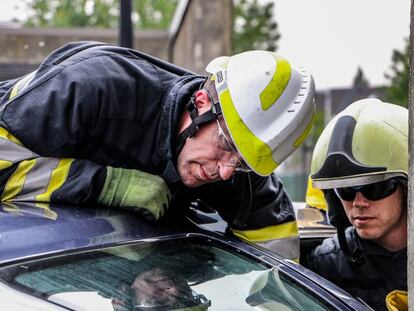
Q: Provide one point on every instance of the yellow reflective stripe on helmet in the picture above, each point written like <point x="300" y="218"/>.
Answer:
<point x="282" y="231"/>
<point x="15" y="183"/>
<point x="256" y="153"/>
<point x="277" y="85"/>
<point x="59" y="175"/>
<point x="305" y="133"/>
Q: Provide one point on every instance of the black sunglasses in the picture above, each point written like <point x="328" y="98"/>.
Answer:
<point x="373" y="192"/>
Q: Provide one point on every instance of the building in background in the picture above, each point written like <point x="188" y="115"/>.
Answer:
<point x="200" y="31"/>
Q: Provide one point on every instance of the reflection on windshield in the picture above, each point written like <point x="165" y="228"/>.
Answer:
<point x="182" y="274"/>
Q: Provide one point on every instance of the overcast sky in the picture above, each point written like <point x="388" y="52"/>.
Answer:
<point x="331" y="38"/>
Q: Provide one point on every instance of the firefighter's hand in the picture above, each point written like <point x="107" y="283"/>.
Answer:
<point x="136" y="191"/>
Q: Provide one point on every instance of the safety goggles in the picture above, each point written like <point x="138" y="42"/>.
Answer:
<point x="223" y="146"/>
<point x="372" y="192"/>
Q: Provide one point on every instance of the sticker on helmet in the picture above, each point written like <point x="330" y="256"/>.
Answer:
<point x="219" y="77"/>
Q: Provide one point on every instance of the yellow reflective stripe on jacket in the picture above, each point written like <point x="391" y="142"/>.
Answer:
<point x="37" y="179"/>
<point x="12" y="150"/>
<point x="16" y="180"/>
<point x="21" y="84"/>
<point x="285" y="230"/>
<point x="14" y="153"/>
<point x="59" y="175"/>
<point x="5" y="164"/>
<point x="281" y="239"/>
<point x="8" y="136"/>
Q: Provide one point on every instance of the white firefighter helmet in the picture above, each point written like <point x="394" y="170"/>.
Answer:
<point x="267" y="105"/>
<point x="365" y="143"/>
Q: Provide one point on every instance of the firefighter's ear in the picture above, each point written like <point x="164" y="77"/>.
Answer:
<point x="202" y="101"/>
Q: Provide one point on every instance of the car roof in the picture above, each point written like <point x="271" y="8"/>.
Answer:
<point x="27" y="230"/>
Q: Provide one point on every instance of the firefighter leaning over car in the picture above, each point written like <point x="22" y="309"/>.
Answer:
<point x="102" y="124"/>
<point x="361" y="163"/>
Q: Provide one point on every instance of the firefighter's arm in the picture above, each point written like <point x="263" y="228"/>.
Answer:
<point x="26" y="176"/>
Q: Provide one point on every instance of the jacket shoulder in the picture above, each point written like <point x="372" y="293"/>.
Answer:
<point x="329" y="256"/>
<point x="327" y="247"/>
<point x="331" y="245"/>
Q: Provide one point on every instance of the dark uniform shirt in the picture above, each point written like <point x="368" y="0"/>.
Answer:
<point x="381" y="273"/>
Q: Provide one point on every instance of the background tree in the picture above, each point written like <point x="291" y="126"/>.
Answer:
<point x="360" y="80"/>
<point x="397" y="91"/>
<point x="71" y="13"/>
<point x="254" y="24"/>
<point x="148" y="14"/>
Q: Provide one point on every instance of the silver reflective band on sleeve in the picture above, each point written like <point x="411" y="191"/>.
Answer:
<point x="13" y="152"/>
<point x="37" y="179"/>
<point x="287" y="247"/>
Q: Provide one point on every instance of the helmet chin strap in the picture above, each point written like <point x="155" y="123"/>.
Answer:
<point x="196" y="120"/>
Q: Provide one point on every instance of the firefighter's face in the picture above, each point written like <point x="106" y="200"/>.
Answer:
<point x="383" y="221"/>
<point x="205" y="158"/>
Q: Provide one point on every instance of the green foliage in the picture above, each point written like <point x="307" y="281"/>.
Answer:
<point x="397" y="92"/>
<point x="148" y="14"/>
<point x="254" y="26"/>
<point x="154" y="14"/>
<point x="71" y="13"/>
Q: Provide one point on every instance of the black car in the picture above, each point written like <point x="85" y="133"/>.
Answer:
<point x="96" y="258"/>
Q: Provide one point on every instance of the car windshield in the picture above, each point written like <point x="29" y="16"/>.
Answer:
<point x="180" y="274"/>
